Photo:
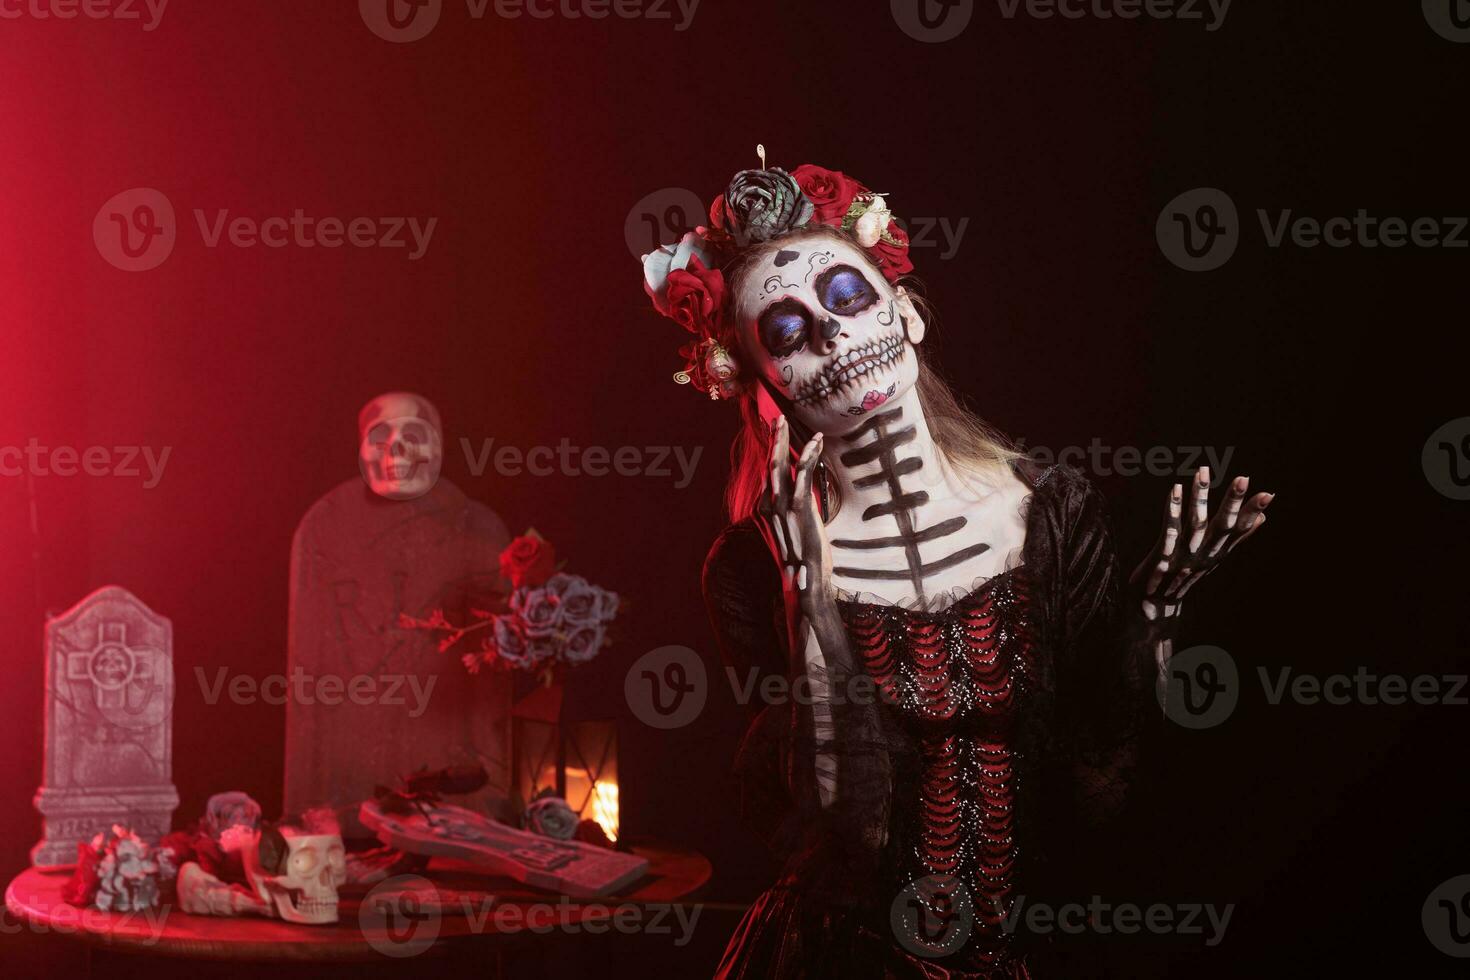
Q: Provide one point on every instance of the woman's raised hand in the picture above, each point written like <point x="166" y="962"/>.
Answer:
<point x="792" y="523"/>
<point x="1186" y="554"/>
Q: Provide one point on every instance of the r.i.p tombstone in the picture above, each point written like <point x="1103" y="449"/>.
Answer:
<point x="369" y="699"/>
<point x="109" y="733"/>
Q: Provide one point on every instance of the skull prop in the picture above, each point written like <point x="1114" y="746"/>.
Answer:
<point x="297" y="871"/>
<point x="400" y="445"/>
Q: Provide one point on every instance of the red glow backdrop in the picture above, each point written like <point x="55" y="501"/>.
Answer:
<point x="519" y="148"/>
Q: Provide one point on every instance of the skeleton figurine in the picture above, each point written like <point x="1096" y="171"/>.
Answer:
<point x="400" y="445"/>
<point x="294" y="873"/>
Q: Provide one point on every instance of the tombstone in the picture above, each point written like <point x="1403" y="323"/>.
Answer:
<point x="360" y="558"/>
<point x="109" y="724"/>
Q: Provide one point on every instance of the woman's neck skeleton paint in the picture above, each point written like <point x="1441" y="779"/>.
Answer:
<point x="833" y="337"/>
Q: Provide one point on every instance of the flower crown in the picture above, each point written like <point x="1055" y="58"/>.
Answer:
<point x="685" y="282"/>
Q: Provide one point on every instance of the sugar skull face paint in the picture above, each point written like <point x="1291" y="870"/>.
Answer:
<point x="827" y="330"/>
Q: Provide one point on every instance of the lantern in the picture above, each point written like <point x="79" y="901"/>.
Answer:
<point x="577" y="761"/>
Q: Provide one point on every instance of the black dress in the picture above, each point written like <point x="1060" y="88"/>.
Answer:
<point x="1003" y="741"/>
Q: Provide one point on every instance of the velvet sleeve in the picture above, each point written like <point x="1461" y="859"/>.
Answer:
<point x="742" y="594"/>
<point x="777" y="765"/>
<point x="1102" y="675"/>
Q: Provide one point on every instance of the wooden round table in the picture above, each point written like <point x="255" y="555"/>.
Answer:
<point x="446" y="905"/>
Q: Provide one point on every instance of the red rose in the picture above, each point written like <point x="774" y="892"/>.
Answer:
<point x="830" y="191"/>
<point x="893" y="260"/>
<point x="695" y="295"/>
<point x="82" y="887"/>
<point x="529" y="560"/>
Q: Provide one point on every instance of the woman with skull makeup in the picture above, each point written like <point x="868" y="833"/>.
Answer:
<point x="969" y="665"/>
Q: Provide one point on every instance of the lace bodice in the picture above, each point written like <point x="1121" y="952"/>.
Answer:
<point x="954" y="680"/>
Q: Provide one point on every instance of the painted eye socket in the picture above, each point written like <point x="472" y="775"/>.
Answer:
<point x="783" y="327"/>
<point x="845" y="291"/>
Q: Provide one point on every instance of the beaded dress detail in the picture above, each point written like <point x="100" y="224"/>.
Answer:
<point x="954" y="680"/>
<point x="991" y="767"/>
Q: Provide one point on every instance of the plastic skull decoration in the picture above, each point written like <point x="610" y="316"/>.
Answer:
<point x="297" y="870"/>
<point x="400" y="445"/>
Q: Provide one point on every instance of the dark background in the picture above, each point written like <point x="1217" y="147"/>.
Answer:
<point x="531" y="141"/>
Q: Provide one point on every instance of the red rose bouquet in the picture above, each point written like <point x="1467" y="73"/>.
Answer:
<point x="555" y="620"/>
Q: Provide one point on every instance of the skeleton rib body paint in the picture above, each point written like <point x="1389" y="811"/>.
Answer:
<point x="838" y="343"/>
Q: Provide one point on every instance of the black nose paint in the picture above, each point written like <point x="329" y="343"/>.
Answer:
<point x="786" y="255"/>
<point x="829" y="327"/>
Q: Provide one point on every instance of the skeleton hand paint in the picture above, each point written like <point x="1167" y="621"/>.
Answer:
<point x="793" y="524"/>
<point x="1174" y="566"/>
<point x="828" y="331"/>
<point x="819" y="644"/>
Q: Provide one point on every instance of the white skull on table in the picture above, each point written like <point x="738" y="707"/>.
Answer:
<point x="297" y="871"/>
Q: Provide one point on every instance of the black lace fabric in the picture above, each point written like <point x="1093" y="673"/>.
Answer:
<point x="847" y="850"/>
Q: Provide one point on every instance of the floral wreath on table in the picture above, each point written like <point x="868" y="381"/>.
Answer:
<point x="685" y="281"/>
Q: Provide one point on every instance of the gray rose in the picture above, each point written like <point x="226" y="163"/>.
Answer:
<point x="541" y="648"/>
<point x="583" y="644"/>
<point x="540" y="608"/>
<point x="510" y="641"/>
<point x="550" y="816"/>
<point x="226" y="810"/>
<point x="762" y="204"/>
<point x="607" y="605"/>
<point x="579" y="603"/>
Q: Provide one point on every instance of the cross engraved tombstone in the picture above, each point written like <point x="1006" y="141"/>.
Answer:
<point x="358" y="561"/>
<point x="109" y="733"/>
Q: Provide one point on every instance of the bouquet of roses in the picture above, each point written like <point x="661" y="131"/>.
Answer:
<point x="119" y="872"/>
<point x="555" y="619"/>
